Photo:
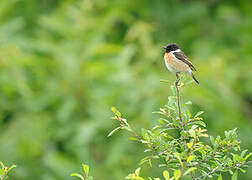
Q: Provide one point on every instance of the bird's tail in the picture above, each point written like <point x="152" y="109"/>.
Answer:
<point x="195" y="79"/>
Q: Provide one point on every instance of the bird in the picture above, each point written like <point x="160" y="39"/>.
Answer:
<point x="176" y="61"/>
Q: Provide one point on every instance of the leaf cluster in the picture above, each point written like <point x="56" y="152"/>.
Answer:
<point x="5" y="171"/>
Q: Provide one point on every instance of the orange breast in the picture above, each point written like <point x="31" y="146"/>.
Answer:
<point x="175" y="64"/>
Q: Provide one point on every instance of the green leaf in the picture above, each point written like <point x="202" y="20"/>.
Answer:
<point x="113" y="131"/>
<point x="248" y="156"/>
<point x="86" y="169"/>
<point x="243" y="153"/>
<point x="150" y="163"/>
<point x="220" y="177"/>
<point x="235" y="175"/>
<point x="190" y="170"/>
<point x="10" y="168"/>
<point x="124" y="121"/>
<point x="133" y="139"/>
<point x="190" y="158"/>
<point x="78" y="175"/>
<point x="189" y="114"/>
<point x="137" y="171"/>
<point x="188" y="102"/>
<point x="177" y="155"/>
<point x="166" y="175"/>
<point x="144" y="160"/>
<point x="242" y="170"/>
<point x="194" y="127"/>
<point x="190" y="144"/>
<point x="167" y="157"/>
<point x="235" y="157"/>
<point x="116" y="112"/>
<point x="230" y="171"/>
<point x="199" y="123"/>
<point x="165" y="81"/>
<point x="177" y="174"/>
<point x="198" y="114"/>
<point x="2" y="172"/>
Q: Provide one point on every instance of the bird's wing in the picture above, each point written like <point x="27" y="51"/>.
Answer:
<point x="182" y="57"/>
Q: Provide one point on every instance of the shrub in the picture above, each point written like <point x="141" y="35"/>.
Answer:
<point x="181" y="144"/>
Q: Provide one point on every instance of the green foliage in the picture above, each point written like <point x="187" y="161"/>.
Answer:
<point x="181" y="144"/>
<point x="86" y="173"/>
<point x="5" y="171"/>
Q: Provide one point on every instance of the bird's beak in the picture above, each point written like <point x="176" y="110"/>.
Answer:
<point x="164" y="47"/>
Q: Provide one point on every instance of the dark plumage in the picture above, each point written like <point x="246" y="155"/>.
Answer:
<point x="171" y="47"/>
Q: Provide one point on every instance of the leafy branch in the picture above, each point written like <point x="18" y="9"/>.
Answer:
<point x="177" y="141"/>
<point x="5" y="171"/>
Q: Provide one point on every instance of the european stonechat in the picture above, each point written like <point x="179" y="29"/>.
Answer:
<point x="176" y="61"/>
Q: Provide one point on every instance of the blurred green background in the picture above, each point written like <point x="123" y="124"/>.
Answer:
<point x="64" y="63"/>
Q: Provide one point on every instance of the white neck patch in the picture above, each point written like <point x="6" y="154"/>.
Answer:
<point x="178" y="50"/>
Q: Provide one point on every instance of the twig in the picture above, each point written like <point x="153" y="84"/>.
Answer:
<point x="179" y="110"/>
<point x="5" y="173"/>
<point x="139" y="138"/>
<point x="181" y="122"/>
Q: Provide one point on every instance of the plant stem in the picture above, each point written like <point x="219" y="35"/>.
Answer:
<point x="185" y="164"/>
<point x="181" y="120"/>
<point x="179" y="109"/>
<point x="135" y="134"/>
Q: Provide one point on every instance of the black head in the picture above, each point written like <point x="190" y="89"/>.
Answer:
<point x="171" y="47"/>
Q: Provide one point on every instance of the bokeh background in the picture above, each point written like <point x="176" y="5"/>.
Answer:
<point x="64" y="63"/>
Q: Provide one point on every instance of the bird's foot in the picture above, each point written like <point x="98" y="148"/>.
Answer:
<point x="178" y="79"/>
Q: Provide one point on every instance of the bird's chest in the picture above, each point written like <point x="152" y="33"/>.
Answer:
<point x="173" y="64"/>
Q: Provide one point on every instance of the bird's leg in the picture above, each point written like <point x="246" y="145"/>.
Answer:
<point x="178" y="79"/>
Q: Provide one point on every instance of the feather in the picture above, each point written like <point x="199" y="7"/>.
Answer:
<point x="182" y="57"/>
